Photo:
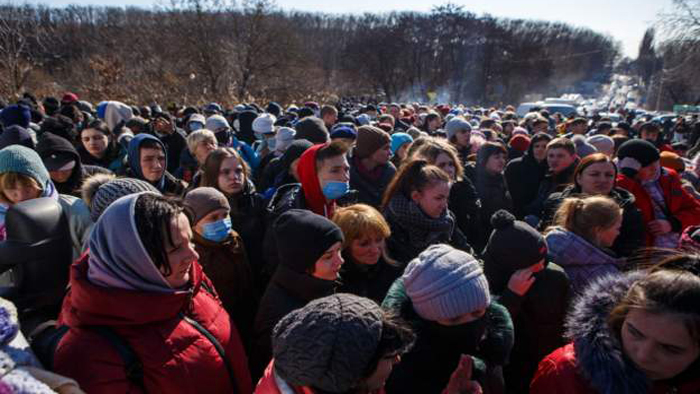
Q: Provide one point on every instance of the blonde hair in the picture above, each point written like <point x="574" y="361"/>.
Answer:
<point x="360" y="220"/>
<point x="585" y="216"/>
<point x="196" y="137"/>
<point x="432" y="148"/>
<point x="10" y="180"/>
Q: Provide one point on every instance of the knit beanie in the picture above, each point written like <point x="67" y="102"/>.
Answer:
<point x="214" y="122"/>
<point x="16" y="135"/>
<point x="203" y="200"/>
<point x="293" y="152"/>
<point x="369" y="140"/>
<point x="329" y="343"/>
<point x="444" y="283"/>
<point x="398" y="140"/>
<point x="519" y="130"/>
<point x="25" y="161"/>
<point x="343" y="130"/>
<point x="104" y="194"/>
<point x="15" y="114"/>
<point x="583" y="148"/>
<point x="264" y="124"/>
<point x="456" y="124"/>
<point x="303" y="237"/>
<point x="641" y="150"/>
<point x="513" y="245"/>
<point x="363" y="119"/>
<point x="519" y="142"/>
<point x="673" y="161"/>
<point x="284" y="138"/>
<point x="312" y="129"/>
<point x="602" y="142"/>
<point x="274" y="109"/>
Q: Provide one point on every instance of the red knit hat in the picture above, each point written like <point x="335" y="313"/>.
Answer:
<point x="520" y="142"/>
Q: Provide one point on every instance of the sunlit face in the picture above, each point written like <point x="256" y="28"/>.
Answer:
<point x="403" y="151"/>
<point x="367" y="250"/>
<point x="328" y="266"/>
<point x="606" y="237"/>
<point x="20" y="193"/>
<point x="463" y="319"/>
<point x="211" y="217"/>
<point x="433" y="199"/>
<point x="496" y="163"/>
<point x="152" y="164"/>
<point x="382" y="155"/>
<point x="444" y="162"/>
<point x="598" y="178"/>
<point x="60" y="176"/>
<point x="94" y="142"/>
<point x="203" y="149"/>
<point x="231" y="176"/>
<point x="181" y="254"/>
<point x="462" y="138"/>
<point x="333" y="169"/>
<point x="559" y="159"/>
<point x="659" y="344"/>
<point x="650" y="172"/>
<point x="539" y="150"/>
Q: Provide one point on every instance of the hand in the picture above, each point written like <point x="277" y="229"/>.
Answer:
<point x="163" y="126"/>
<point x="460" y="380"/>
<point x="521" y="281"/>
<point x="659" y="227"/>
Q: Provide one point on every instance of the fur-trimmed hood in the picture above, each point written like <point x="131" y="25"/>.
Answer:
<point x="598" y="350"/>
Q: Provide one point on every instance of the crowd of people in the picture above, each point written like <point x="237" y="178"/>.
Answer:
<point x="348" y="248"/>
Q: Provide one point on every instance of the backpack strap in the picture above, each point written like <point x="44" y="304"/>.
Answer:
<point x="132" y="364"/>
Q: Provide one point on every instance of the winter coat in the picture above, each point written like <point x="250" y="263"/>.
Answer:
<point x="523" y="176"/>
<point x="538" y="317"/>
<point x="288" y="290"/>
<point x="551" y="183"/>
<point x="493" y="194"/>
<point x="370" y="184"/>
<point x="113" y="160"/>
<point x="370" y="281"/>
<point x="412" y="231"/>
<point x="593" y="362"/>
<point x="226" y="264"/>
<point x="248" y="219"/>
<point x="631" y="236"/>
<point x="161" y="329"/>
<point x="464" y="202"/>
<point x="427" y="367"/>
<point x="79" y="222"/>
<point x="682" y="209"/>
<point x="175" y="143"/>
<point x="582" y="261"/>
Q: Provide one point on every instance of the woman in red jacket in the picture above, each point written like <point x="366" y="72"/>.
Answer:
<point x="633" y="333"/>
<point x="141" y="281"/>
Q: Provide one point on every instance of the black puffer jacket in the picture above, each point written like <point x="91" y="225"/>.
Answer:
<point x="523" y="176"/>
<point x="248" y="219"/>
<point x="493" y="194"/>
<point x="370" y="281"/>
<point x="631" y="236"/>
<point x="464" y="202"/>
<point x="552" y="183"/>
<point x="370" y="191"/>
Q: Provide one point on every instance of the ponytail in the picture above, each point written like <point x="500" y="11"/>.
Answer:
<point x="415" y="175"/>
<point x="585" y="216"/>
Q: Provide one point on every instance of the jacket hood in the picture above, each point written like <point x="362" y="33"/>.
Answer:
<point x="598" y="350"/>
<point x="308" y="176"/>
<point x="89" y="304"/>
<point x="50" y="145"/>
<point x="135" y="158"/>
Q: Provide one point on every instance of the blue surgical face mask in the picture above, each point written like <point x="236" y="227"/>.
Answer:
<point x="194" y="126"/>
<point x="334" y="189"/>
<point x="217" y="231"/>
<point x="271" y="143"/>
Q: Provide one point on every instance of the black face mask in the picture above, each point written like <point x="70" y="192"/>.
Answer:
<point x="464" y="338"/>
<point x="223" y="137"/>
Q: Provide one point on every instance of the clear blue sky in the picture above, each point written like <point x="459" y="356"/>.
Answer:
<point x="625" y="20"/>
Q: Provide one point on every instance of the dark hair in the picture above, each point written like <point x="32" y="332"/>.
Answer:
<point x="150" y="144"/>
<point x="153" y="216"/>
<point x="397" y="338"/>
<point x="72" y="112"/>
<point x="332" y="149"/>
<point x="588" y="161"/>
<point x="649" y="126"/>
<point x="327" y="109"/>
<point x="100" y="126"/>
<point x="487" y="150"/>
<point x="416" y="175"/>
<point x="212" y="166"/>
<point x="562" y="143"/>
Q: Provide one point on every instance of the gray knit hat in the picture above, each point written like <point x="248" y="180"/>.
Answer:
<point x="329" y="343"/>
<point x="444" y="283"/>
<point x="111" y="191"/>
<point x="456" y="124"/>
<point x="203" y="200"/>
<point x="25" y="161"/>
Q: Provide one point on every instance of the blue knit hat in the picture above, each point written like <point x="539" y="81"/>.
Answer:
<point x="444" y="283"/>
<point x="398" y="140"/>
<point x="22" y="160"/>
<point x="343" y="131"/>
<point x="16" y="114"/>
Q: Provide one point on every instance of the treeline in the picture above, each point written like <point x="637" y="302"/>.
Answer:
<point x="194" y="50"/>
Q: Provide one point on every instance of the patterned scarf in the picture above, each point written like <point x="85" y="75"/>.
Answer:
<point x="422" y="230"/>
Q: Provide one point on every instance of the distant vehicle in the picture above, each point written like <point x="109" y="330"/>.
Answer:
<point x="524" y="108"/>
<point x="661" y="119"/>
<point x="614" y="117"/>
<point x="564" y="109"/>
<point x="553" y="100"/>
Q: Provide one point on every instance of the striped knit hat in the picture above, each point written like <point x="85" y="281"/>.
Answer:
<point x="111" y="191"/>
<point x="444" y="283"/>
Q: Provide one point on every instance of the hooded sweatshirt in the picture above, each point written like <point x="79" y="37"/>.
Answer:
<point x="315" y="200"/>
<point x="167" y="183"/>
<point x="51" y="145"/>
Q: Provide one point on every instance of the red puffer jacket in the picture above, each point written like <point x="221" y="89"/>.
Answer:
<point x="269" y="384"/>
<point x="176" y="357"/>
<point x="679" y="203"/>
